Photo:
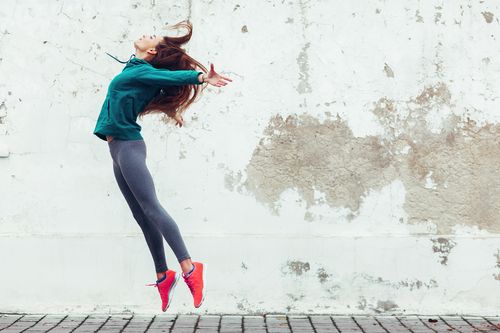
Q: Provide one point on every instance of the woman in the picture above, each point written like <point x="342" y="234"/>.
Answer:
<point x="159" y="77"/>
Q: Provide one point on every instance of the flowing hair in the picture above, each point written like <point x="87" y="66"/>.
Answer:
<point x="171" y="55"/>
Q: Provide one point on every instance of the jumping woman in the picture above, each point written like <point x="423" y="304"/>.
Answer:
<point x="159" y="78"/>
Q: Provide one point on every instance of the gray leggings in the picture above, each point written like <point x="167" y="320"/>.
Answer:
<point x="136" y="184"/>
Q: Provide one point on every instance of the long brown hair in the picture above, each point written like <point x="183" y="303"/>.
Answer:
<point x="172" y="56"/>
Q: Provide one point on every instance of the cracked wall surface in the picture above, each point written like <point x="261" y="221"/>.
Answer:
<point x="451" y="177"/>
<point x="351" y="165"/>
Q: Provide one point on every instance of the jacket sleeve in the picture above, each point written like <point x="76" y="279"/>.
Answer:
<point x="163" y="77"/>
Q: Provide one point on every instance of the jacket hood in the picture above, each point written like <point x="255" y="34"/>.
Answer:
<point x="134" y="62"/>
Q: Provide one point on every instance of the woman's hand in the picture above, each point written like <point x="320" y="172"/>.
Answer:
<point x="214" y="78"/>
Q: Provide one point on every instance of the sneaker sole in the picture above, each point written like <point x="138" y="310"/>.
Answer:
<point x="172" y="289"/>
<point x="204" y="291"/>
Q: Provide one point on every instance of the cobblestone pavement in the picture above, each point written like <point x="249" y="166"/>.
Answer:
<point x="171" y="323"/>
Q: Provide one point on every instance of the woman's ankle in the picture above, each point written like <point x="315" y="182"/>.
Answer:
<point x="186" y="265"/>
<point x="186" y="274"/>
<point x="161" y="278"/>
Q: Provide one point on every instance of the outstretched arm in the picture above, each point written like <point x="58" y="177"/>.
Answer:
<point x="161" y="77"/>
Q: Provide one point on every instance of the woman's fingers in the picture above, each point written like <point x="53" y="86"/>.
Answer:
<point x="222" y="78"/>
<point x="220" y="83"/>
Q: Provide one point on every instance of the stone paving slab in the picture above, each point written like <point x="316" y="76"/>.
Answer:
<point x="270" y="323"/>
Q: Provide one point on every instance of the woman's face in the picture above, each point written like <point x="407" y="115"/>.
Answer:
<point x="147" y="42"/>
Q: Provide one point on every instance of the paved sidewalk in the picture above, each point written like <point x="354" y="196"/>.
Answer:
<point x="171" y="323"/>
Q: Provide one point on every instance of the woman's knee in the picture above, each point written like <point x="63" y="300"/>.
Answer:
<point x="151" y="210"/>
<point x="141" y="218"/>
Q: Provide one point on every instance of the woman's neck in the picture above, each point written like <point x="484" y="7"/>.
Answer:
<point x="142" y="55"/>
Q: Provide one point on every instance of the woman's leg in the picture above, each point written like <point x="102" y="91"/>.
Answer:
<point x="152" y="235"/>
<point x="131" y="157"/>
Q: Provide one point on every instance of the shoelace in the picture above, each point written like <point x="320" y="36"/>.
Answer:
<point x="191" y="283"/>
<point x="163" y="292"/>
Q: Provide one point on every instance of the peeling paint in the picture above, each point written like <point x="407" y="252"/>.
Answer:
<point x="442" y="246"/>
<point x="488" y="16"/>
<point x="411" y="284"/>
<point x="362" y="303"/>
<point x="418" y="17"/>
<point x="231" y="179"/>
<point x="182" y="154"/>
<point x="333" y="162"/>
<point x="295" y="297"/>
<point x="302" y="60"/>
<point x="3" y="112"/>
<point x="322" y="275"/>
<point x="438" y="15"/>
<point x="295" y="267"/>
<point x="243" y="304"/>
<point x="308" y="216"/>
<point x="302" y="153"/>
<point x="388" y="71"/>
<point x="385" y="306"/>
<point x="333" y="291"/>
<point x="417" y="284"/>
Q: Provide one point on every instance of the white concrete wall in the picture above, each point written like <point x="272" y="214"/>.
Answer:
<point x="350" y="167"/>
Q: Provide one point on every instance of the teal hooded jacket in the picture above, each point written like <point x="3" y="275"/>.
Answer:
<point x="130" y="91"/>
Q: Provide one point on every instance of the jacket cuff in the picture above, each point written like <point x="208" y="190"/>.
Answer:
<point x="197" y="78"/>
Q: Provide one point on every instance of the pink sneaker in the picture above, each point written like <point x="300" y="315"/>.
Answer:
<point x="166" y="288"/>
<point x="196" y="283"/>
